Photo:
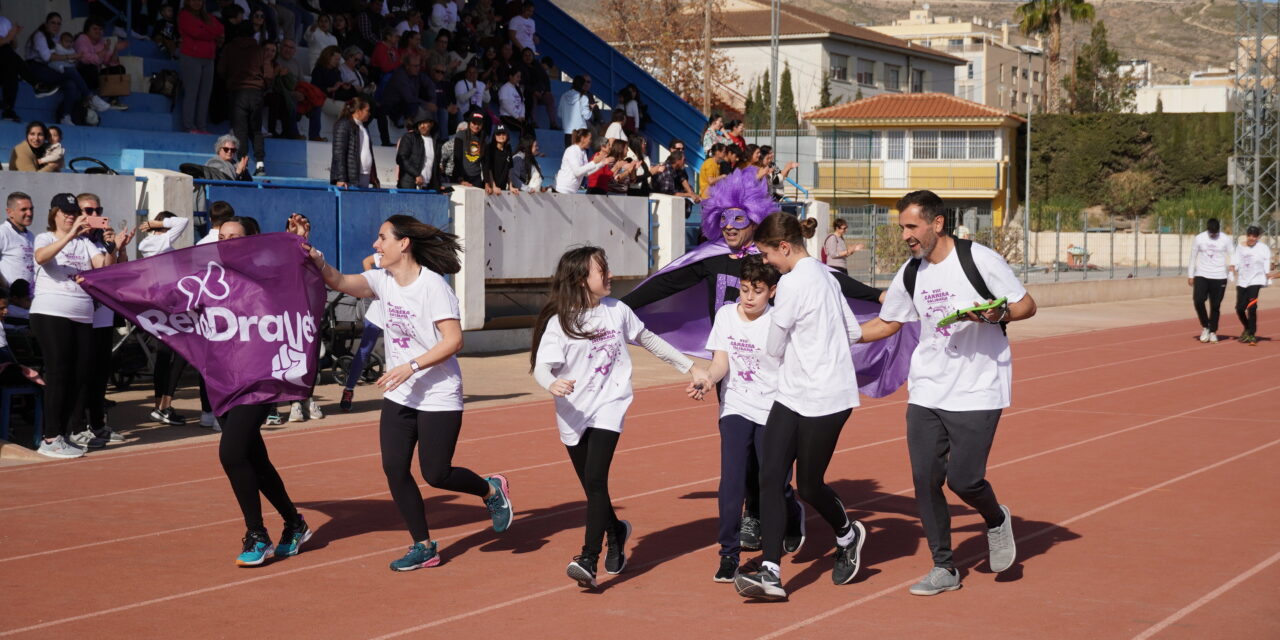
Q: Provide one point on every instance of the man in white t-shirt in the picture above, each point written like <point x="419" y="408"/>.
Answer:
<point x="1250" y="264"/>
<point x="521" y="30"/>
<point x="1207" y="276"/>
<point x="960" y="378"/>
<point x="17" y="257"/>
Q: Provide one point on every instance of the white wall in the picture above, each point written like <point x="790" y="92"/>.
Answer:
<point x="118" y="194"/>
<point x="1185" y="99"/>
<point x="526" y="234"/>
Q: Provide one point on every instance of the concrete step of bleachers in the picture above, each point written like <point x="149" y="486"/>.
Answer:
<point x="137" y="101"/>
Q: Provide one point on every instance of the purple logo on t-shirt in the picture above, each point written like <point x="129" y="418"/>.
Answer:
<point x="603" y="344"/>
<point x="938" y="303"/>
<point x="400" y="324"/>
<point x="746" y="355"/>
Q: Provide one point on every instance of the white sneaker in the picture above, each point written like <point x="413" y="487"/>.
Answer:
<point x="87" y="440"/>
<point x="210" y="421"/>
<point x="1213" y="338"/>
<point x="58" y="448"/>
<point x="295" y="413"/>
<point x="313" y="409"/>
<point x="99" y="104"/>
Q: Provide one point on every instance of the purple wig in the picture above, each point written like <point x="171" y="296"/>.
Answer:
<point x="740" y="191"/>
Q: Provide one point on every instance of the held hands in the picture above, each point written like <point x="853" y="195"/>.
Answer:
<point x="393" y="378"/>
<point x="700" y="383"/>
<point x="561" y="387"/>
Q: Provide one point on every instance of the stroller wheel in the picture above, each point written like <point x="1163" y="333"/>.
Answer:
<point x="372" y="369"/>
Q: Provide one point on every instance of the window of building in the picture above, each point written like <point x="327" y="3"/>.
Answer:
<point x="1001" y="72"/>
<point x="892" y="77"/>
<point x="924" y="145"/>
<point x="917" y="80"/>
<point x="982" y="145"/>
<point x="836" y="145"/>
<point x="1015" y="72"/>
<point x="1024" y="73"/>
<point x="894" y="142"/>
<point x="1036" y="76"/>
<point x="839" y="67"/>
<point x="969" y="70"/>
<point x="1014" y="97"/>
<point x="953" y="145"/>
<point x="955" y="44"/>
<point x="866" y="72"/>
<point x="866" y="145"/>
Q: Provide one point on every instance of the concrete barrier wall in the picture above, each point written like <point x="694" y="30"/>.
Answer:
<point x="526" y="234"/>
<point x="1166" y="249"/>
<point x="120" y="197"/>
<point x="1058" y="294"/>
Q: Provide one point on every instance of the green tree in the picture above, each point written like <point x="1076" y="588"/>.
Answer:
<point x="1095" y="84"/>
<point x="824" y="93"/>
<point x="751" y="112"/>
<point x="1044" y="17"/>
<point x="788" y="118"/>
<point x="1130" y="193"/>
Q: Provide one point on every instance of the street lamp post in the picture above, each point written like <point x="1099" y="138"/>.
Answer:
<point x="1026" y="204"/>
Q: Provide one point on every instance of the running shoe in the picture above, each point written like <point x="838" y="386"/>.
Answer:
<point x="728" y="569"/>
<point x="295" y="413"/>
<point x="420" y="556"/>
<point x="583" y="569"/>
<point x="292" y="537"/>
<point x="1204" y="334"/>
<point x="793" y="539"/>
<point x="257" y="548"/>
<point x="1001" y="547"/>
<point x="210" y="421"/>
<point x="936" y="582"/>
<point x="88" y="440"/>
<point x="499" y="503"/>
<point x="761" y="583"/>
<point x="345" y="403"/>
<point x="1245" y="337"/>
<point x="313" y="409"/>
<point x="274" y="418"/>
<point x="167" y="416"/>
<point x="615" y="557"/>
<point x="749" y="538"/>
<point x="59" y="448"/>
<point x="1213" y="338"/>
<point x="849" y="557"/>
<point x="108" y="434"/>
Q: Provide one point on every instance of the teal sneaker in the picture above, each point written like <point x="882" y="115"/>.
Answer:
<point x="257" y="548"/>
<point x="499" y="503"/>
<point x="292" y="538"/>
<point x="420" y="556"/>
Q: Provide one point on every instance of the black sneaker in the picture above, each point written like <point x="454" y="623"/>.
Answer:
<point x="45" y="90"/>
<point x="583" y="570"/>
<point x="728" y="569"/>
<point x="761" y="583"/>
<point x="615" y="558"/>
<point x="848" y="558"/>
<point x="167" y="416"/>
<point x="793" y="539"/>
<point x="749" y="538"/>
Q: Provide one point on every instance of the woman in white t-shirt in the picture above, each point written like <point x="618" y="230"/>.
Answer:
<point x="811" y="330"/>
<point x="62" y="320"/>
<point x="580" y="355"/>
<point x="422" y="400"/>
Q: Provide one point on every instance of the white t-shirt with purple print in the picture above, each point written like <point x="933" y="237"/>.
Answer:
<point x="600" y="368"/>
<point x="965" y="366"/>
<point x="752" y="382"/>
<point x="409" y="320"/>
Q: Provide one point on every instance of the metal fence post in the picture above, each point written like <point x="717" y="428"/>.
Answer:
<point x="1057" y="242"/>
<point x="875" y="236"/>
<point x="1180" y="246"/>
<point x="1159" y="247"/>
<point x="1137" y="236"/>
<point x="1084" y="226"/>
<point x="1113" y="248"/>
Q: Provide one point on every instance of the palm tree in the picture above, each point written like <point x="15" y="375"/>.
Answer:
<point x="1044" y="17"/>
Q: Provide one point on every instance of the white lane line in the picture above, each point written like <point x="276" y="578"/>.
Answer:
<point x="1208" y="597"/>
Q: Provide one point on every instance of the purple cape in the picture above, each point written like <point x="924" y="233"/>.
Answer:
<point x="682" y="320"/>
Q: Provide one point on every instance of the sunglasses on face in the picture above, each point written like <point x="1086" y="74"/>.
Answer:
<point x="228" y="149"/>
<point x="92" y="211"/>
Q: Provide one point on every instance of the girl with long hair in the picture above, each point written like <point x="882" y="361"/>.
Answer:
<point x="580" y="356"/>
<point x="422" y="400"/>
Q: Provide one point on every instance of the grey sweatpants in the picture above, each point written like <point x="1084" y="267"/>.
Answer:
<point x="197" y="86"/>
<point x="951" y="447"/>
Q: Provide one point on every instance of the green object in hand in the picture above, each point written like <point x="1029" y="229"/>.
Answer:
<point x="955" y="317"/>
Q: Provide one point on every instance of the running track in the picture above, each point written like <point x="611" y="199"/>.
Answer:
<point x="1139" y="464"/>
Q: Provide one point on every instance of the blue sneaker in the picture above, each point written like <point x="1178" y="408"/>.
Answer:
<point x="420" y="556"/>
<point x="257" y="548"/>
<point x="499" y="503"/>
<point x="292" y="538"/>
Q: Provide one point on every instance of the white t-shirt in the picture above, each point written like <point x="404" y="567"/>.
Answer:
<point x="1209" y="256"/>
<point x="366" y="155"/>
<point x="599" y="367"/>
<point x="510" y="103"/>
<point x="158" y="243"/>
<point x="633" y="112"/>
<point x="17" y="256"/>
<point x="966" y="366"/>
<point x="615" y="132"/>
<point x="410" y="326"/>
<point x="524" y="29"/>
<point x="752" y="381"/>
<point x="444" y="16"/>
<point x="1251" y="263"/>
<point x="57" y="293"/>
<point x="428" y="158"/>
<point x="469" y="94"/>
<point x="212" y="236"/>
<point x="817" y="377"/>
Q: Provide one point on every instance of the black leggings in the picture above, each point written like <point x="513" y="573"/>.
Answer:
<point x="244" y="459"/>
<point x="591" y="459"/>
<point x="435" y="433"/>
<point x="1212" y="291"/>
<point x="99" y="376"/>
<point x="809" y="443"/>
<point x="1247" y="307"/>
<point x="66" y="347"/>
<point x="168" y="370"/>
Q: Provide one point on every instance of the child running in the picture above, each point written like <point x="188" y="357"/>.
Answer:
<point x="810" y="329"/>
<point x="422" y="401"/>
<point x="580" y="355"/>
<point x="1250" y="263"/>
<point x="737" y="343"/>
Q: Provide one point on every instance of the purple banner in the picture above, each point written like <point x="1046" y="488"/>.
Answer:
<point x="244" y="312"/>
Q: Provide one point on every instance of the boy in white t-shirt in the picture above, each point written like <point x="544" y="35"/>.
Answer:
<point x="1250" y="264"/>
<point x="750" y="382"/>
<point x="960" y="379"/>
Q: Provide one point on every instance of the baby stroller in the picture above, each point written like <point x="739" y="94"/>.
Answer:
<point x="340" y="331"/>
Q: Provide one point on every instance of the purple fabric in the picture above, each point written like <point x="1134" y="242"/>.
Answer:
<point x="682" y="320"/>
<point x="244" y="312"/>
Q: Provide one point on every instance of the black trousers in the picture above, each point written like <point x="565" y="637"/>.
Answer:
<point x="951" y="447"/>
<point x="741" y="440"/>
<point x="99" y="376"/>
<point x="1212" y="291"/>
<point x="592" y="457"/>
<point x="1247" y="307"/>
<point x="12" y="68"/>
<point x="244" y="459"/>
<point x="247" y="107"/>
<point x="435" y="434"/>
<point x="168" y="371"/>
<point x="809" y="442"/>
<point x="67" y="348"/>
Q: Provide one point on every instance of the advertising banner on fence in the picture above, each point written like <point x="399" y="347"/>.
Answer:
<point x="244" y="312"/>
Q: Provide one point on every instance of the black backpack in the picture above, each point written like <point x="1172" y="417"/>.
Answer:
<point x="964" y="251"/>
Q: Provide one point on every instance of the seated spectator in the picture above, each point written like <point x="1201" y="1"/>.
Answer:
<point x="575" y="107"/>
<point x="497" y="163"/>
<point x="262" y="31"/>
<point x="53" y="151"/>
<point x="511" y="104"/>
<point x="468" y="152"/>
<point x="284" y="98"/>
<point x="614" y="130"/>
<point x="386" y="54"/>
<point x="165" y="31"/>
<point x="50" y="58"/>
<point x="522" y="30"/>
<point x="319" y="37"/>
<point x="98" y="57"/>
<point x="26" y="154"/>
<point x="412" y="23"/>
<point x="440" y="56"/>
<point x="439" y="95"/>
<point x="444" y="15"/>
<point x="418" y="153"/>
<point x="344" y="32"/>
<point x="709" y="173"/>
<point x="537" y="88"/>
<point x="671" y="179"/>
<point x="734" y="129"/>
<point x="526" y="175"/>
<point x="469" y="92"/>
<point x="614" y="174"/>
<point x="574" y="166"/>
<point x="352" y="163"/>
<point x="328" y="79"/>
<point x="401" y="98"/>
<point x="410" y="44"/>
<point x="223" y="165"/>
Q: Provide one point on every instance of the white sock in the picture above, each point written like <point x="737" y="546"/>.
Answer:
<point x="772" y="567"/>
<point x="847" y="538"/>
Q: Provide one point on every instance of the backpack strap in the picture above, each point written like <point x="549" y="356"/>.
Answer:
<point x="909" y="277"/>
<point x="964" y="251"/>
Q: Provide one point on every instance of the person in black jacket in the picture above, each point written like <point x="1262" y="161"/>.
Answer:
<point x="352" y="164"/>
<point x="468" y="151"/>
<point x="418" y="155"/>
<point x="497" y="163"/>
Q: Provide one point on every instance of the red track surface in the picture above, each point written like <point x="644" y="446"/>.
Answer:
<point x="1139" y="465"/>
